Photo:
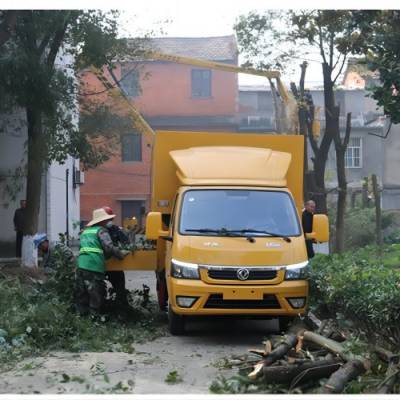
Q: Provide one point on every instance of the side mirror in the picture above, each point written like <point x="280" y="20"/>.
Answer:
<point x="320" y="231"/>
<point x="154" y="226"/>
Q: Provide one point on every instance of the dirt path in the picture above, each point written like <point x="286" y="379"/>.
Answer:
<point x="197" y="359"/>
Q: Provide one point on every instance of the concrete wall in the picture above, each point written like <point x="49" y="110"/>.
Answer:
<point x="57" y="202"/>
<point x="391" y="177"/>
<point x="13" y="136"/>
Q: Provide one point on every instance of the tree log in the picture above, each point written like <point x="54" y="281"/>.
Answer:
<point x="290" y="341"/>
<point x="297" y="373"/>
<point x="331" y="345"/>
<point x="387" y="355"/>
<point x="346" y="373"/>
<point x="391" y="376"/>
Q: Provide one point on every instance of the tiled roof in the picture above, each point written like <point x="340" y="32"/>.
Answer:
<point x="208" y="48"/>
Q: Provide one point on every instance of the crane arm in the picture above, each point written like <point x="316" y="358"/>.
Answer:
<point x="117" y="93"/>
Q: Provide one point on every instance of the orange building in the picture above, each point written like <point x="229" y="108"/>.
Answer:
<point x="170" y="96"/>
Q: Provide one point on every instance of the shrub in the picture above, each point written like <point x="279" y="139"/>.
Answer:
<point x="361" y="286"/>
<point x="359" y="226"/>
<point x="36" y="315"/>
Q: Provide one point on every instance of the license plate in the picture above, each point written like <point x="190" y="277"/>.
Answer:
<point x="242" y="294"/>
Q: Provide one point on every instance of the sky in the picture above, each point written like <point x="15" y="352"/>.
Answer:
<point x="194" y="18"/>
<point x="202" y="18"/>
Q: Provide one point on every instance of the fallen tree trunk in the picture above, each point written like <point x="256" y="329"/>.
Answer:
<point x="296" y="373"/>
<point x="346" y="373"/>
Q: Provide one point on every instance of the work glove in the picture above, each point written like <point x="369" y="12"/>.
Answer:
<point x="124" y="253"/>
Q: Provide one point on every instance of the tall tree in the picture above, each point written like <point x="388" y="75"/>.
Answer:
<point x="38" y="74"/>
<point x="273" y="38"/>
<point x="377" y="38"/>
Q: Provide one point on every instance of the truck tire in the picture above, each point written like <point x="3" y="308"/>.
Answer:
<point x="284" y="323"/>
<point x="176" y="323"/>
<point x="162" y="292"/>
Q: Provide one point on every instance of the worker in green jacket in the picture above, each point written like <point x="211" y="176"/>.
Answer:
<point x="95" y="247"/>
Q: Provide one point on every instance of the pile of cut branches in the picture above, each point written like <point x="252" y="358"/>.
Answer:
<point x="313" y="357"/>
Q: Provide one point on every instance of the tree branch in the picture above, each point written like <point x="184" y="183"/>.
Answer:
<point x="341" y="68"/>
<point x="321" y="45"/>
<point x="331" y="50"/>
<point x="44" y="43"/>
<point x="303" y="67"/>
<point x="348" y="131"/>
<point x="57" y="42"/>
<point x="337" y="61"/>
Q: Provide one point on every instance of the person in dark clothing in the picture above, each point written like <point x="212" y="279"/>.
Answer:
<point x="117" y="278"/>
<point x="307" y="222"/>
<point x="95" y="247"/>
<point x="19" y="220"/>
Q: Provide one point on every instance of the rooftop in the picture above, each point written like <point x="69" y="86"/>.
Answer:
<point x="215" y="48"/>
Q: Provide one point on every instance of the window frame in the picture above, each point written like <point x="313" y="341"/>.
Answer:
<point x="140" y="159"/>
<point x="351" y="148"/>
<point x="126" y="89"/>
<point x="201" y="96"/>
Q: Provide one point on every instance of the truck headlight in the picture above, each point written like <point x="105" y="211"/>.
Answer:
<point x="296" y="271"/>
<point x="184" y="270"/>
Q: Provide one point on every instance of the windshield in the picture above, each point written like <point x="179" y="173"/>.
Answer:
<point x="238" y="212"/>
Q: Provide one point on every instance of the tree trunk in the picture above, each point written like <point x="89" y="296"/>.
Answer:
<point x="378" y="211"/>
<point x="33" y="186"/>
<point x="340" y="148"/>
<point x="353" y="198"/>
<point x="35" y="168"/>
<point x="365" y="193"/>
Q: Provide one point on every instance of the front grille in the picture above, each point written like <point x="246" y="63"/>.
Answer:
<point x="231" y="274"/>
<point x="216" y="301"/>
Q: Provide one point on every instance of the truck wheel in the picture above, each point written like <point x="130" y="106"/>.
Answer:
<point x="176" y="323"/>
<point x="162" y="292"/>
<point x="284" y="323"/>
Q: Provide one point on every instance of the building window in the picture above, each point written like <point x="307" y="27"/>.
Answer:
<point x="130" y="81"/>
<point x="201" y="83"/>
<point x="133" y="208"/>
<point x="353" y="156"/>
<point x="131" y="146"/>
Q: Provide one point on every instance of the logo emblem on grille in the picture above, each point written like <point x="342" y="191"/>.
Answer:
<point x="242" y="274"/>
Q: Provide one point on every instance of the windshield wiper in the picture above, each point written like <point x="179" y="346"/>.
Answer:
<point x="284" y="237"/>
<point x="221" y="231"/>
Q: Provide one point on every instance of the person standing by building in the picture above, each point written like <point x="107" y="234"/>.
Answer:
<point x="95" y="247"/>
<point x="307" y="222"/>
<point x="19" y="221"/>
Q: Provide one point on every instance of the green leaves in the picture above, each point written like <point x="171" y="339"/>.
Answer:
<point x="360" y="286"/>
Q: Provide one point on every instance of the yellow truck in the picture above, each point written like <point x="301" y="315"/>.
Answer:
<point x="225" y="214"/>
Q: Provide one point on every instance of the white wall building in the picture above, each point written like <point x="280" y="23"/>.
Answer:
<point x="55" y="217"/>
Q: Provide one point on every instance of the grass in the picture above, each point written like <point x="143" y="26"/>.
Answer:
<point x="173" y="377"/>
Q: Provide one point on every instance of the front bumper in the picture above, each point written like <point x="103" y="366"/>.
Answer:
<point x="268" y="300"/>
